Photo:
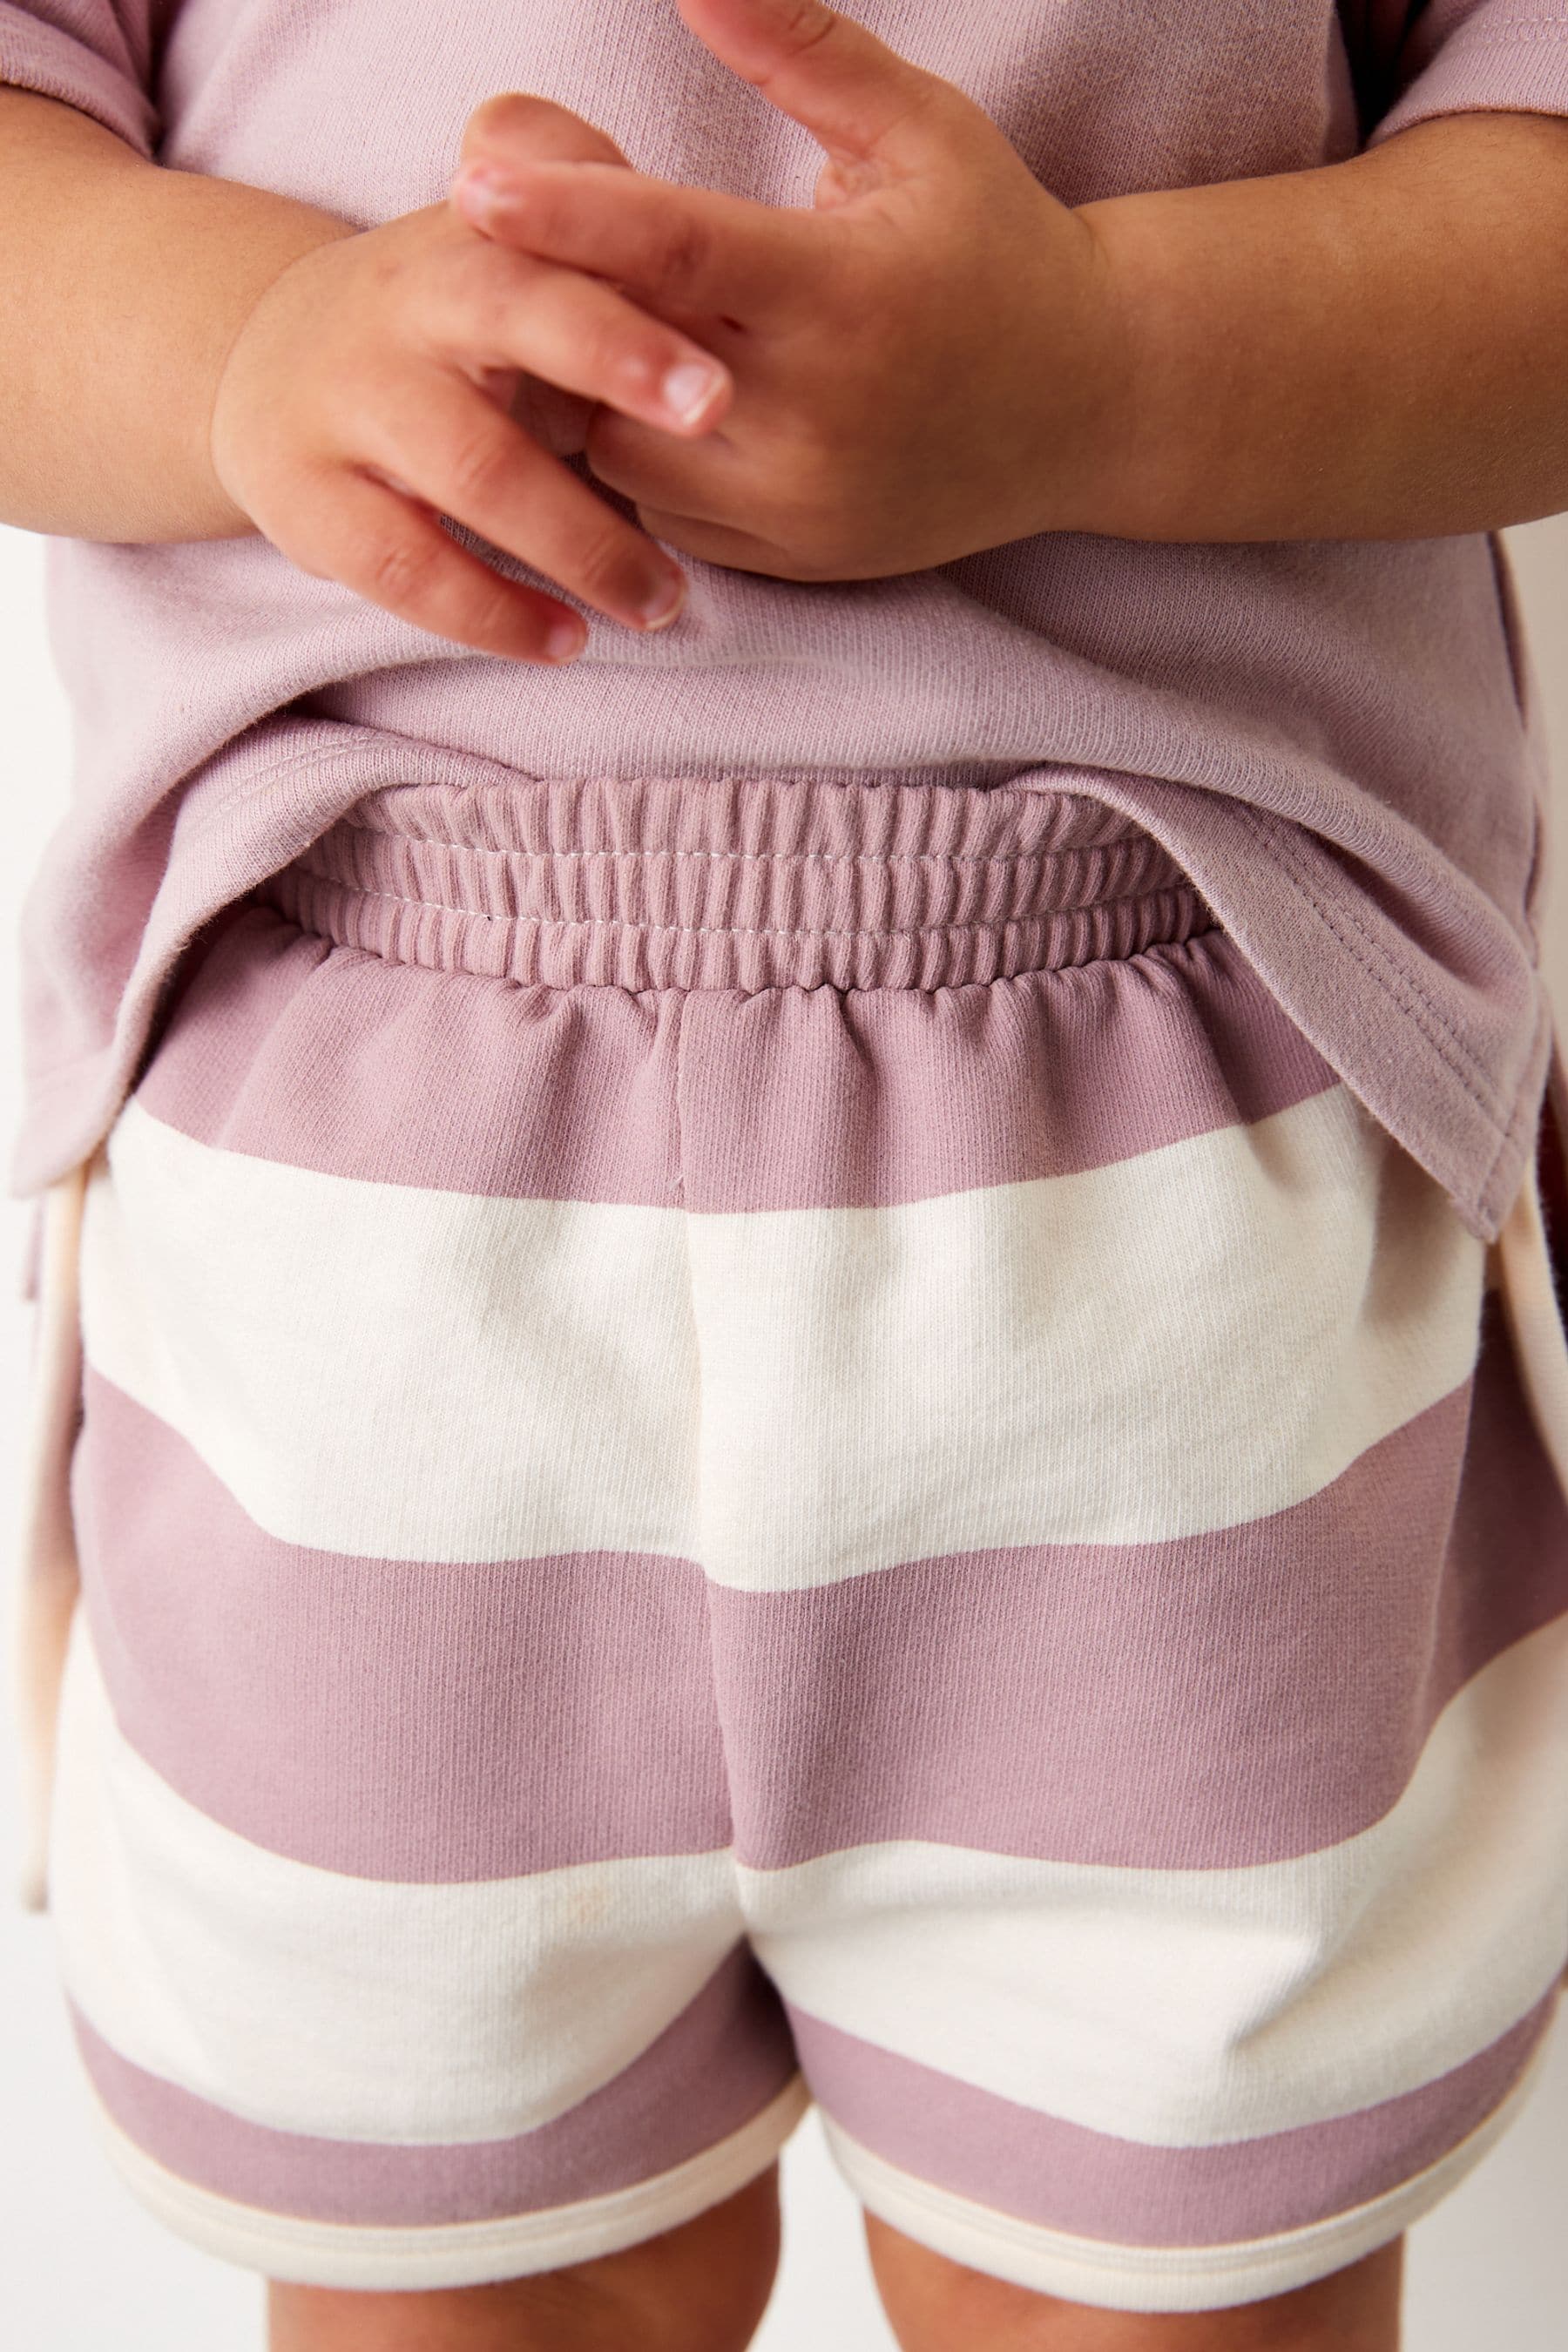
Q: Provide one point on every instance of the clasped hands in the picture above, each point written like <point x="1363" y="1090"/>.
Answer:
<point x="921" y="365"/>
<point x="912" y="370"/>
<point x="935" y="358"/>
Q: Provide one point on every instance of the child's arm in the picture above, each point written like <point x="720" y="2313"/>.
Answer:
<point x="122" y="287"/>
<point x="1377" y="350"/>
<point x="186" y="358"/>
<point x="941" y="357"/>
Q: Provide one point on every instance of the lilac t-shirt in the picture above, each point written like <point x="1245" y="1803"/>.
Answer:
<point x="1333" y="738"/>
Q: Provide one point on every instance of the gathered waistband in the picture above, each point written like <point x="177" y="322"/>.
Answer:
<point x="736" y="883"/>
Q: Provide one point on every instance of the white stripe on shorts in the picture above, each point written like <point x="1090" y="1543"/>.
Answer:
<point x="876" y="1384"/>
<point x="1173" y="2007"/>
<point x="357" y="2008"/>
<point x="1188" y="2008"/>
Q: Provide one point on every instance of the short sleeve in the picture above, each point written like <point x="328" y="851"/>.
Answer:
<point x="1458" y="56"/>
<point x="96" y="55"/>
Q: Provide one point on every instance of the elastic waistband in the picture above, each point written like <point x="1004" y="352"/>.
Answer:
<point x="738" y="883"/>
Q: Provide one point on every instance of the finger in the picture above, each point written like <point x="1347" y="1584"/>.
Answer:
<point x="498" y="311"/>
<point x="557" y="420"/>
<point x="702" y="479"/>
<point x="516" y="125"/>
<point x="393" y="553"/>
<point x="681" y="247"/>
<point x="459" y="453"/>
<point x="720" y="543"/>
<point x="856" y="97"/>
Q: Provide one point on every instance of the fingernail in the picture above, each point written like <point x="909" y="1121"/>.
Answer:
<point x="483" y="190"/>
<point x="690" y="386"/>
<point x="663" y="601"/>
<point x="565" y="640"/>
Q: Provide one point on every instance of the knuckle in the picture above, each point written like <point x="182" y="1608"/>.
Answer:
<point x="808" y="26"/>
<point x="683" y="253"/>
<point x="924" y="103"/>
<point x="477" y="466"/>
<point x="618" y="352"/>
<point x="486" y="290"/>
<point x="403" y="274"/>
<point x="488" y="613"/>
<point x="400" y="571"/>
<point x="470" y="268"/>
<point x="601" y="558"/>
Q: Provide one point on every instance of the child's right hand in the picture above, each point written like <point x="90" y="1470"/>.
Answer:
<point x="367" y="394"/>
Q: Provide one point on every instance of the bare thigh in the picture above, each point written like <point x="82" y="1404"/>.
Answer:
<point x="700" y="2288"/>
<point x="936" y="2305"/>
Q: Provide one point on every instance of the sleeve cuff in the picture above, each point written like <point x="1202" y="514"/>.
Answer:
<point x="39" y="57"/>
<point x="1517" y="66"/>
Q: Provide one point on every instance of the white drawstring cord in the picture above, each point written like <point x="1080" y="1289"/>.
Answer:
<point x="1529" y="1300"/>
<point x="45" y="1584"/>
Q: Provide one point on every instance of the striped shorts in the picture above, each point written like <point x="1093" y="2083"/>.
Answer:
<point x="759" y="1441"/>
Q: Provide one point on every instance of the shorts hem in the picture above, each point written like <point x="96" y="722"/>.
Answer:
<point x="1158" y="2278"/>
<point x="457" y="2254"/>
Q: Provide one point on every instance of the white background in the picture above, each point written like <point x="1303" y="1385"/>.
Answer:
<point x="82" y="2269"/>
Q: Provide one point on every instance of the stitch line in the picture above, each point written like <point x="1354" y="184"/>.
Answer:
<point x="728" y="930"/>
<point x="1517" y="1135"/>
<point x="982" y="776"/>
<point x="712" y="930"/>
<point x="1400" y="987"/>
<point x="1516" y="30"/>
<point x="767" y="856"/>
<point x="1412" y="985"/>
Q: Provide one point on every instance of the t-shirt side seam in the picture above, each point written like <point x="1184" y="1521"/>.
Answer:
<point x="1526" y="1111"/>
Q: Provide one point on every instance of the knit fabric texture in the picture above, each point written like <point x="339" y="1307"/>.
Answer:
<point x="1334" y="740"/>
<point x="741" y="1435"/>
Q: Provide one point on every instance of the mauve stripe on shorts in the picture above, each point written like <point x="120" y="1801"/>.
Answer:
<point x="369" y="1716"/>
<point x="1023" y="1701"/>
<point x="722" y="2060"/>
<point x="1089" y="2184"/>
<point x="423" y="1721"/>
<point x="287" y="1050"/>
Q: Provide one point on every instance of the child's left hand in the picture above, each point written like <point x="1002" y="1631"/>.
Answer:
<point x="924" y="365"/>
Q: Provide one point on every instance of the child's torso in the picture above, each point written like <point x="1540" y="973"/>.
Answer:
<point x="359" y="104"/>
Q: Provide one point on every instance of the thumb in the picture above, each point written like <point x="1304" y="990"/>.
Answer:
<point x="857" y="98"/>
<point x="517" y="128"/>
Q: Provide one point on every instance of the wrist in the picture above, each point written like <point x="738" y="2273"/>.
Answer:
<point x="1335" y="353"/>
<point x="1125" y="466"/>
<point x="1086" y="375"/>
<point x="227" y="516"/>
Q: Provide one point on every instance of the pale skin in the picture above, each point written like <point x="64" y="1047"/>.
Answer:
<point x="936" y="358"/>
